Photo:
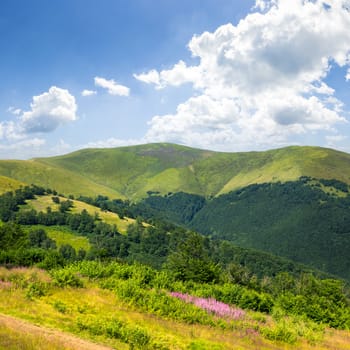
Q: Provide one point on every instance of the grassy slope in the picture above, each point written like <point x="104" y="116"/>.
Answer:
<point x="171" y="168"/>
<point x="42" y="202"/>
<point x="63" y="235"/>
<point x="8" y="184"/>
<point x="50" y="176"/>
<point x="132" y="171"/>
<point x="18" y="334"/>
<point x="62" y="308"/>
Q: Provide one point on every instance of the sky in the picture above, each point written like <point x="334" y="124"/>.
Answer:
<point x="223" y="75"/>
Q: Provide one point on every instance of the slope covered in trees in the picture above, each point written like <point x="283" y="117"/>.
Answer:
<point x="307" y="221"/>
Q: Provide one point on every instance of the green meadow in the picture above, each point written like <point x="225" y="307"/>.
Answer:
<point x="103" y="310"/>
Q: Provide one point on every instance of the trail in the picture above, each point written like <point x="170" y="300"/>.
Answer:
<point x="68" y="341"/>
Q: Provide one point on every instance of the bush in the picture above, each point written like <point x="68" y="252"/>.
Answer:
<point x="36" y="289"/>
<point x="136" y="337"/>
<point x="66" y="278"/>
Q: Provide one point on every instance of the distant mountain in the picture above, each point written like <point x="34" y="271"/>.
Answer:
<point x="132" y="172"/>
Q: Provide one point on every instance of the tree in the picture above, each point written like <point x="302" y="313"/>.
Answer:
<point x="38" y="238"/>
<point x="12" y="236"/>
<point x="190" y="261"/>
<point x="68" y="252"/>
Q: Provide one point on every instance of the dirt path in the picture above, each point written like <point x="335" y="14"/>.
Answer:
<point x="67" y="340"/>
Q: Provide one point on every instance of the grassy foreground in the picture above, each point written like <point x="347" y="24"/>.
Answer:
<point x="108" y="317"/>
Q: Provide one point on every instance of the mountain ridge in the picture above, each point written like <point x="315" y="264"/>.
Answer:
<point x="131" y="172"/>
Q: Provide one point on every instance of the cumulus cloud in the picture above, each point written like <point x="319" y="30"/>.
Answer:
<point x="262" y="81"/>
<point x="88" y="93"/>
<point x="112" y="87"/>
<point x="49" y="110"/>
<point x="151" y="77"/>
<point x="10" y="130"/>
<point x="176" y="76"/>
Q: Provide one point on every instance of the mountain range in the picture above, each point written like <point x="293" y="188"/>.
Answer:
<point x="132" y="172"/>
<point x="292" y="202"/>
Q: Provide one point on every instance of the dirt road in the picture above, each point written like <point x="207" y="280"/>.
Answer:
<point x="61" y="339"/>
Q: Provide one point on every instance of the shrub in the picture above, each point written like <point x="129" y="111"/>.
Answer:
<point x="66" y="278"/>
<point x="135" y="336"/>
<point x="60" y="306"/>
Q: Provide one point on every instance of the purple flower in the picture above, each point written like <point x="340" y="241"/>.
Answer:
<point x="211" y="305"/>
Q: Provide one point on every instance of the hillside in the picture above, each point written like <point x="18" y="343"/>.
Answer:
<point x="158" y="285"/>
<point x="131" y="172"/>
<point x="131" y="307"/>
<point x="49" y="176"/>
<point x="306" y="220"/>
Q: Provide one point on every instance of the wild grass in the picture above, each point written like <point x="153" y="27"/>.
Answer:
<point x="15" y="339"/>
<point x="105" y="317"/>
<point x="7" y="184"/>
<point x="49" y="176"/>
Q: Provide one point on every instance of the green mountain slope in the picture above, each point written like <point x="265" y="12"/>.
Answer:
<point x="50" y="176"/>
<point x="131" y="172"/>
<point x="8" y="184"/>
<point x="306" y="221"/>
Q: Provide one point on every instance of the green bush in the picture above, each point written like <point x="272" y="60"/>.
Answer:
<point x="135" y="336"/>
<point x="66" y="278"/>
<point x="60" y="306"/>
<point x="36" y="289"/>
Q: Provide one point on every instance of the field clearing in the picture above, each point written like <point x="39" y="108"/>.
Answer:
<point x="63" y="235"/>
<point x="41" y="203"/>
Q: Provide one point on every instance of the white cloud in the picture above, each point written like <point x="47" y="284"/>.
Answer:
<point x="112" y="142"/>
<point x="22" y="149"/>
<point x="49" y="110"/>
<point x="28" y="143"/>
<point x="175" y="76"/>
<point x="259" y="82"/>
<point x="88" y="93"/>
<point x="333" y="141"/>
<point x="14" y="110"/>
<point x="151" y="77"/>
<point x="112" y="87"/>
<point x="11" y="131"/>
<point x="347" y="77"/>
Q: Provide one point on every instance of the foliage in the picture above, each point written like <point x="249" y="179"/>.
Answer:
<point x="272" y="217"/>
<point x="66" y="278"/>
<point x="191" y="261"/>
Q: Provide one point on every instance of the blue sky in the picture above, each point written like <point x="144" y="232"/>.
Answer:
<point x="216" y="74"/>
